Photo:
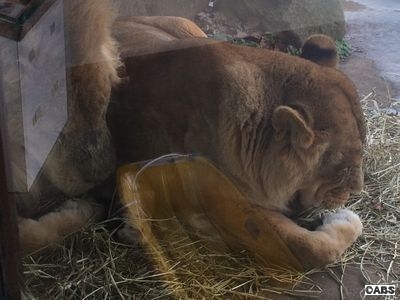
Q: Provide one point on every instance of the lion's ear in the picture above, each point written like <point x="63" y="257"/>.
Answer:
<point x="290" y="124"/>
<point x="321" y="49"/>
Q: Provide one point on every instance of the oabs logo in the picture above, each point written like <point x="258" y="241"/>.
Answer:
<point x="389" y="289"/>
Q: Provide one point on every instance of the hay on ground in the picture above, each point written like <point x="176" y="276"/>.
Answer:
<point x="94" y="265"/>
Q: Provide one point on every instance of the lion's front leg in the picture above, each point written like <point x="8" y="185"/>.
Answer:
<point x="322" y="246"/>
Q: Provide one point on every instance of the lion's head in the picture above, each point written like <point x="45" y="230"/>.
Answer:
<point x="321" y="141"/>
<point x="315" y="152"/>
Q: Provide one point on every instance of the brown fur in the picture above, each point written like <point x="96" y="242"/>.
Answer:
<point x="320" y="49"/>
<point x="144" y="35"/>
<point x="288" y="132"/>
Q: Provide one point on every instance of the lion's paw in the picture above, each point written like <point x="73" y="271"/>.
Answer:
<point x="343" y="216"/>
<point x="345" y="221"/>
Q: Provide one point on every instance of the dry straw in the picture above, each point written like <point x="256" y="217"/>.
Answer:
<point x="94" y="265"/>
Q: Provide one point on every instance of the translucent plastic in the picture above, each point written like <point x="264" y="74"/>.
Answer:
<point x="191" y="197"/>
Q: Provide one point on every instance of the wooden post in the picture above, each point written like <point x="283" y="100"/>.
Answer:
<point x="18" y="28"/>
<point x="9" y="248"/>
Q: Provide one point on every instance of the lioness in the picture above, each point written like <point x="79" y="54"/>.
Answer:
<point x="287" y="131"/>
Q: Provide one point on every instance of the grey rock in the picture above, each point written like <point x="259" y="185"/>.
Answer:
<point x="252" y="16"/>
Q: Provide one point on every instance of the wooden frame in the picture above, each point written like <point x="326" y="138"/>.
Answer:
<point x="9" y="249"/>
<point x="14" y="29"/>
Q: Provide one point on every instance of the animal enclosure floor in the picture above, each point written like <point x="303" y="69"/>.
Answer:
<point x="94" y="265"/>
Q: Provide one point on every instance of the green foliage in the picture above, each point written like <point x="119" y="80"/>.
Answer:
<point x="293" y="51"/>
<point x="244" y="42"/>
<point x="343" y="49"/>
<point x="218" y="36"/>
<point x="270" y="38"/>
<point x="236" y="41"/>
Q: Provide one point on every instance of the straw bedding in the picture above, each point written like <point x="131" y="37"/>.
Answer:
<point x="93" y="265"/>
